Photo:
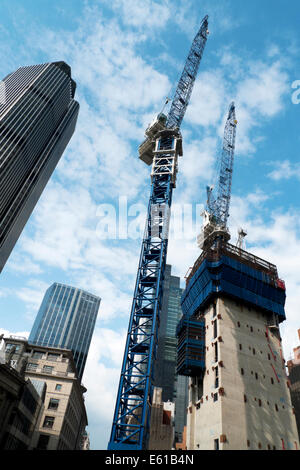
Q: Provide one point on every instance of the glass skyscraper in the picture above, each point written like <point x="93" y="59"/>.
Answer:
<point x="174" y="388"/>
<point x="66" y="319"/>
<point x="38" y="115"/>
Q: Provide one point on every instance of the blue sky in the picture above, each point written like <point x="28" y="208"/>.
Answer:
<point x="126" y="57"/>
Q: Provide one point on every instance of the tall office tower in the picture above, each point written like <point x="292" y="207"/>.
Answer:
<point x="174" y="388"/>
<point x="37" y="119"/>
<point x="181" y="404"/>
<point x="66" y="319"/>
<point x="229" y="345"/>
<point x="294" y="382"/>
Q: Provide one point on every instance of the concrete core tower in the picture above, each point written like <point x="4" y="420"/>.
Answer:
<point x="229" y="345"/>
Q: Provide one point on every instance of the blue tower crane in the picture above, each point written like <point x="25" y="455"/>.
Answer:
<point x="217" y="210"/>
<point x="163" y="145"/>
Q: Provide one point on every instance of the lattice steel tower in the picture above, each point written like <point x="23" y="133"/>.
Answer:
<point x="163" y="145"/>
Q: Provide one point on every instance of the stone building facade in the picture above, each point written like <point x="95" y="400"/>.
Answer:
<point x="62" y="422"/>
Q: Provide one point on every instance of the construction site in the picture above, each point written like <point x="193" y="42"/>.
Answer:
<point x="228" y="338"/>
<point x="185" y="231"/>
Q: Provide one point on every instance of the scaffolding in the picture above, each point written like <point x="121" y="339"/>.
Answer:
<point x="228" y="270"/>
<point x="191" y="346"/>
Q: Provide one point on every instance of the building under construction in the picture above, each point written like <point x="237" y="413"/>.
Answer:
<point x="229" y="345"/>
<point x="229" y="340"/>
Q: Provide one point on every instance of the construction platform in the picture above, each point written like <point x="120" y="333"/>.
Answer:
<point x="225" y="270"/>
<point x="190" y="346"/>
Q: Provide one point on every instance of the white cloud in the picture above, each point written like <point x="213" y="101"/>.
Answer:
<point x="257" y="87"/>
<point x="7" y="333"/>
<point x="207" y="100"/>
<point x="198" y="160"/>
<point x="263" y="90"/>
<point x="285" y="170"/>
<point x="20" y="263"/>
<point x="148" y="14"/>
<point x="101" y="377"/>
<point x="32" y="296"/>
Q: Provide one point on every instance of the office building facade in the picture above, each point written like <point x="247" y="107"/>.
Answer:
<point x="174" y="388"/>
<point x="38" y="115"/>
<point x="66" y="319"/>
<point x="170" y="314"/>
<point x="20" y="405"/>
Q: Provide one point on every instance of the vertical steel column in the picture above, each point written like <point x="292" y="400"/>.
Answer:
<point x="131" y="421"/>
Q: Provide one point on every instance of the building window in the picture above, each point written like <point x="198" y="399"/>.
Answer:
<point x="216" y="377"/>
<point x="238" y="324"/>
<point x="276" y="407"/>
<point x="9" y="346"/>
<point x="214" y="309"/>
<point x="215" y="397"/>
<point x="240" y="347"/>
<point x="43" y="442"/>
<point x="242" y="371"/>
<point x="216" y="444"/>
<point x="48" y="422"/>
<point x="48" y="369"/>
<point x="37" y="354"/>
<point x="272" y="381"/>
<point x="216" y="352"/>
<point x="31" y="366"/>
<point x="259" y="402"/>
<point x="58" y="387"/>
<point x="215" y="329"/>
<point x="52" y="357"/>
<point x="256" y="376"/>
<point x="53" y="403"/>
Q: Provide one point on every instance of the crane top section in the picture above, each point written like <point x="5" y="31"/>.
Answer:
<point x="181" y="98"/>
<point x="220" y="207"/>
<point x="217" y="212"/>
<point x="185" y="85"/>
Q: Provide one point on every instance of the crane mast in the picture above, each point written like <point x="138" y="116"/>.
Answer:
<point x="217" y="211"/>
<point x="161" y="148"/>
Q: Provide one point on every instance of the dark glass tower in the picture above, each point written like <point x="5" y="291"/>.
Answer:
<point x="38" y="116"/>
<point x="66" y="319"/>
<point x="174" y="388"/>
